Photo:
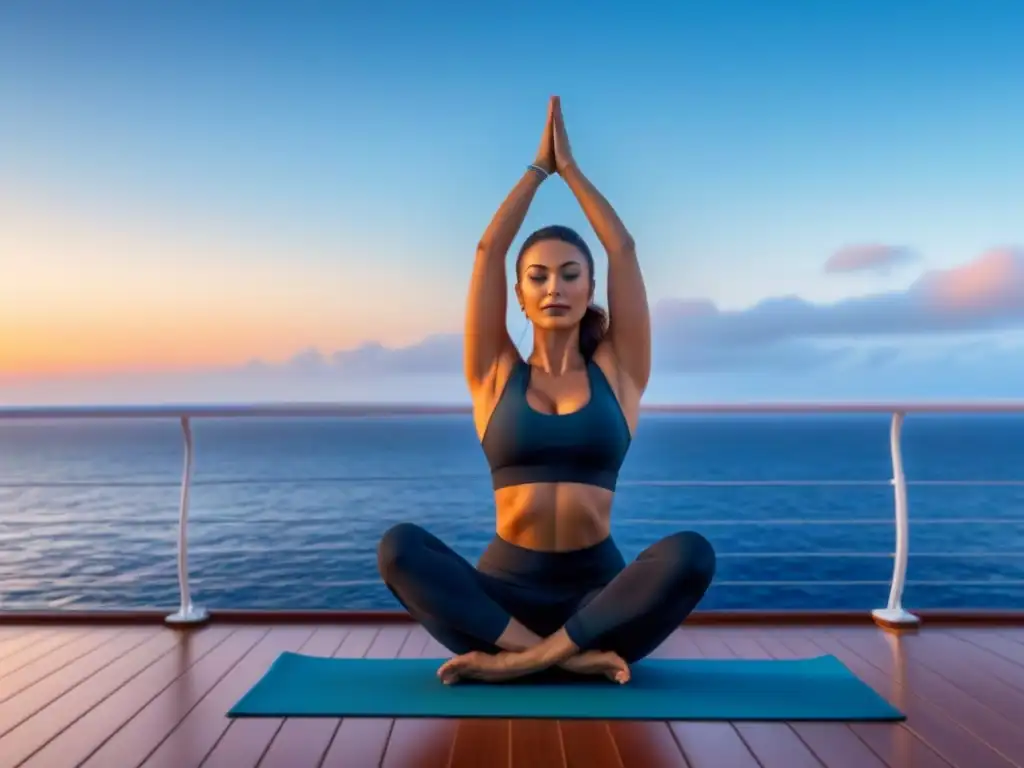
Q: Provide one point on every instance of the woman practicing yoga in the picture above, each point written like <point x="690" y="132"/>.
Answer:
<point x="552" y="589"/>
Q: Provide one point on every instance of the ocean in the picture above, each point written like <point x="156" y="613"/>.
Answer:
<point x="286" y="514"/>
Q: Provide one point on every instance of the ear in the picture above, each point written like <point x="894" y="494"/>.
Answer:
<point x="519" y="296"/>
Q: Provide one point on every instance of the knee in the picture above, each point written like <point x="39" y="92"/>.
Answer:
<point x="397" y="548"/>
<point x="693" y="557"/>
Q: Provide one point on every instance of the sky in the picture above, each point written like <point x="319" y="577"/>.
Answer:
<point x="228" y="202"/>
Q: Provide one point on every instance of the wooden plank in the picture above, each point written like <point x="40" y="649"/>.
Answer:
<point x="642" y="744"/>
<point x="420" y="742"/>
<point x="9" y="633"/>
<point x="589" y="744"/>
<point x="837" y="745"/>
<point x="245" y="740"/>
<point x="1003" y="647"/>
<point x="483" y="743"/>
<point x="20" y="637"/>
<point x="52" y="662"/>
<point x="34" y="733"/>
<point x="903" y="657"/>
<point x="133" y="742"/>
<point x="988" y="678"/>
<point x="200" y="730"/>
<point x="775" y="745"/>
<point x="32" y="651"/>
<point x="535" y="743"/>
<point x="705" y="744"/>
<point x="31" y="700"/>
<point x="305" y="741"/>
<point x="940" y="740"/>
<point x="360" y="741"/>
<point x="712" y="744"/>
<point x="83" y="737"/>
<point x="125" y="702"/>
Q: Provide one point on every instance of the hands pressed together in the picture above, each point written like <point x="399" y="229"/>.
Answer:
<point x="554" y="154"/>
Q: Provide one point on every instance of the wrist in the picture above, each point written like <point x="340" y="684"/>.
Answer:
<point x="539" y="169"/>
<point x="519" y="662"/>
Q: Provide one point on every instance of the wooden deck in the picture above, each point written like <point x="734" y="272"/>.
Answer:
<point x="134" y="695"/>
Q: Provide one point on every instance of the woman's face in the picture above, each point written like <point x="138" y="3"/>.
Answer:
<point x="554" y="285"/>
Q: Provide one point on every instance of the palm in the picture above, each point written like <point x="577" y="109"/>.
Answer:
<point x="546" y="150"/>
<point x="563" y="151"/>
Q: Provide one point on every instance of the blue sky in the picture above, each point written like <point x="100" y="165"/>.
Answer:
<point x="188" y="187"/>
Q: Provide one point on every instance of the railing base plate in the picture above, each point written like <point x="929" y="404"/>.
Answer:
<point x="194" y="615"/>
<point x="895" y="618"/>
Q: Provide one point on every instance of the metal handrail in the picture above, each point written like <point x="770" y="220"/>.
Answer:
<point x="304" y="410"/>
<point x="893" y="613"/>
<point x="222" y="481"/>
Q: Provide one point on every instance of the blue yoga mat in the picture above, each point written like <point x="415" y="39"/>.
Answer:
<point x="820" y="688"/>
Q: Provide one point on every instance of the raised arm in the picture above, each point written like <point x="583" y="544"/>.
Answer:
<point x="487" y="340"/>
<point x="629" y="326"/>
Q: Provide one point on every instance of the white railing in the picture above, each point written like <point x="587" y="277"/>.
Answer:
<point x="894" y="612"/>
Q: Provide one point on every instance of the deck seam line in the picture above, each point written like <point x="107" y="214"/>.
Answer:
<point x="905" y="724"/>
<point x="687" y="761"/>
<point x="150" y="700"/>
<point x="323" y="755"/>
<point x="232" y="721"/>
<point x="756" y="638"/>
<point x="1017" y="688"/>
<point x="70" y="724"/>
<point x="18" y="647"/>
<point x="337" y="725"/>
<point x="74" y="720"/>
<point x="81" y="682"/>
<point x="67" y="641"/>
<point x="697" y="647"/>
<point x="938" y="705"/>
<point x="216" y="682"/>
<point x="55" y="670"/>
<point x="996" y="654"/>
<point x="1010" y="633"/>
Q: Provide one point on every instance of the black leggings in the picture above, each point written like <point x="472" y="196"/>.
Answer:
<point x="602" y="603"/>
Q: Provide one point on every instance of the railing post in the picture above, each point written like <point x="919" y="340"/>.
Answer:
<point x="894" y="615"/>
<point x="187" y="613"/>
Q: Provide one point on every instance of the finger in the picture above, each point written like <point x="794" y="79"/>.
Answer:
<point x="452" y="665"/>
<point x="449" y="673"/>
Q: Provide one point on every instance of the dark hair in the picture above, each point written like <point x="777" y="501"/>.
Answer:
<point x="594" y="324"/>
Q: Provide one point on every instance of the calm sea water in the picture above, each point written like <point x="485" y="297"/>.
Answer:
<point x="287" y="513"/>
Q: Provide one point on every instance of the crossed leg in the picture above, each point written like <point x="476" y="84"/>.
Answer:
<point x="466" y="610"/>
<point x="648" y="600"/>
<point x="450" y="598"/>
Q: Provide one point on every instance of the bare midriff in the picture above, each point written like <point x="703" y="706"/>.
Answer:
<point x="553" y="517"/>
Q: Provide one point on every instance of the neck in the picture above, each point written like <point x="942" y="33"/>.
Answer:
<point x="556" y="352"/>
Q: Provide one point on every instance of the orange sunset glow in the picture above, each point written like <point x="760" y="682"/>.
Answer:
<point x="99" y="296"/>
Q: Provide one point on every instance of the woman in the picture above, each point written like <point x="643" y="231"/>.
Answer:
<point x="552" y="589"/>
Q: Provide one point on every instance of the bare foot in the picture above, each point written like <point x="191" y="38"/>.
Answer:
<point x="606" y="663"/>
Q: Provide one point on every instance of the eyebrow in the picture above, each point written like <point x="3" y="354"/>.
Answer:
<point x="563" y="264"/>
